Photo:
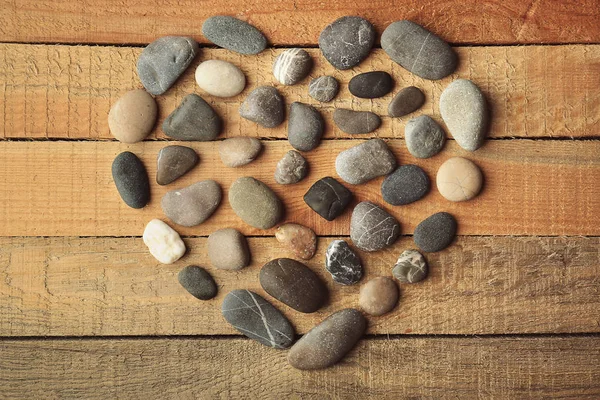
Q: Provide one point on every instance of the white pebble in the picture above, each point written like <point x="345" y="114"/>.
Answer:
<point x="163" y="242"/>
<point x="220" y="78"/>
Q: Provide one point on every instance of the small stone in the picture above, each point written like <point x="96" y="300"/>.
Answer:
<point x="192" y="205"/>
<point x="372" y="228"/>
<point x="255" y="203"/>
<point x="131" y="180"/>
<point x="265" y="106"/>
<point x="292" y="168"/>
<point x="365" y="161"/>
<point x="258" y="319"/>
<point x="411" y="267"/>
<point x="407" y="100"/>
<point x="347" y="41"/>
<point x="436" y="232"/>
<point x="342" y="263"/>
<point x="328" y="198"/>
<point x="193" y="119"/>
<point x="406" y="185"/>
<point x="371" y="85"/>
<point x="298" y="238"/>
<point x="356" y="122"/>
<point x="424" y="137"/>
<point x="133" y="116"/>
<point x="220" y="78"/>
<point x="418" y="50"/>
<point x="465" y="112"/>
<point x="324" y="88"/>
<point x="173" y="162"/>
<point x="238" y="151"/>
<point x="163" y="242"/>
<point x="305" y="126"/>
<point x="291" y="66"/>
<point x="164" y="60"/>
<point x="234" y="34"/>
<point x="459" y="179"/>
<point x="378" y="296"/>
<point x="228" y="249"/>
<point x="329" y="342"/>
<point x="198" y="282"/>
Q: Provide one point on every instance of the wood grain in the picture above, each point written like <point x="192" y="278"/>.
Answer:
<point x="67" y="91"/>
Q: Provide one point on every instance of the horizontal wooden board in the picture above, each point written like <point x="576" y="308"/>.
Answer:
<point x="67" y="91"/>
<point x="479" y="285"/>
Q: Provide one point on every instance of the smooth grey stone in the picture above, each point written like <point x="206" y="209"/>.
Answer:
<point x="193" y="119"/>
<point x="436" y="232"/>
<point x="424" y="137"/>
<point x="131" y="180"/>
<point x="291" y="66"/>
<point x="305" y="126"/>
<point x="328" y="198"/>
<point x="198" y="282"/>
<point x="356" y="122"/>
<point x="405" y="185"/>
<point x="292" y="168"/>
<point x="347" y="41"/>
<point x="324" y="88"/>
<point x="234" y="34"/>
<point x="255" y="203"/>
<point x="193" y="204"/>
<point x="365" y="161"/>
<point x="372" y="228"/>
<point x="265" y="106"/>
<point x="342" y="263"/>
<point x="407" y="100"/>
<point x="418" y="50"/>
<point x="258" y="319"/>
<point x="164" y="60"/>
<point x="411" y="267"/>
<point x="371" y="85"/>
<point x="173" y="162"/>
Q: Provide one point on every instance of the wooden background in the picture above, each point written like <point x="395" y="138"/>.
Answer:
<point x="510" y="310"/>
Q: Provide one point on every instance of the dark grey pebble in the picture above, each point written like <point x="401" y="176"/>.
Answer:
<point x="328" y="198"/>
<point x="198" y="282"/>
<point x="424" y="137"/>
<point x="305" y="126"/>
<point x="265" y="106"/>
<point x="324" y="88"/>
<point x="173" y="162"/>
<point x="347" y="41"/>
<point x="436" y="232"/>
<point x="131" y="179"/>
<point x="407" y="100"/>
<point x="371" y="85"/>
<point x="193" y="119"/>
<point x="342" y="263"/>
<point x="234" y="34"/>
<point x="356" y="122"/>
<point x="405" y="185"/>
<point x="372" y="228"/>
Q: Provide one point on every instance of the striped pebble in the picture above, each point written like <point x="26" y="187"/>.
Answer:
<point x="291" y="66"/>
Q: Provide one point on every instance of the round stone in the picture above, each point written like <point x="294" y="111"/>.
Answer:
<point x="193" y="119"/>
<point x="406" y="185"/>
<point x="198" y="282"/>
<point x="234" y="34"/>
<point x="372" y="228"/>
<point x="459" y="179"/>
<point x="292" y="168"/>
<point x="305" y="126"/>
<point x="356" y="122"/>
<point x="411" y="267"/>
<point x="328" y="198"/>
<point x="238" y="151"/>
<point x="436" y="232"/>
<point x="131" y="179"/>
<point x="220" y="78"/>
<point x="173" y="162"/>
<point x="298" y="238"/>
<point x="378" y="296"/>
<point x="347" y="41"/>
<point x="408" y="100"/>
<point x="342" y="263"/>
<point x="371" y="85"/>
<point x="228" y="249"/>
<point x="323" y="88"/>
<point x="265" y="106"/>
<point x="133" y="116"/>
<point x="255" y="203"/>
<point x="192" y="205"/>
<point x="424" y="137"/>
<point x="163" y="242"/>
<point x="365" y="161"/>
<point x="291" y="66"/>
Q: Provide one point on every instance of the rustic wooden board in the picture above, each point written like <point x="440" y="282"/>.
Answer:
<point x="67" y="91"/>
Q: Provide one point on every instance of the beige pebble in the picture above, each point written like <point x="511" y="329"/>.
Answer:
<point x="378" y="296"/>
<point x="163" y="242"/>
<point x="220" y="78"/>
<point x="133" y="116"/>
<point x="300" y="239"/>
<point x="238" y="151"/>
<point x="228" y="249"/>
<point x="459" y="179"/>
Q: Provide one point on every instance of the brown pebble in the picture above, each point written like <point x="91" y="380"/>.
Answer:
<point x="300" y="239"/>
<point x="133" y="116"/>
<point x="378" y="296"/>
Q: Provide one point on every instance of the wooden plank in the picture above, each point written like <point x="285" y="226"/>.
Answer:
<point x="67" y="91"/>
<point x="479" y="285"/>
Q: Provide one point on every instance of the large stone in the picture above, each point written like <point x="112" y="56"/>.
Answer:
<point x="265" y="106"/>
<point x="291" y="66"/>
<point x="239" y="151"/>
<point x="356" y="122"/>
<point x="436" y="232"/>
<point x="328" y="198"/>
<point x="342" y="263"/>
<point x="164" y="242"/>
<point x="301" y="240"/>
<point x="173" y="162"/>
<point x="411" y="267"/>
<point x="305" y="126"/>
<point x="371" y="85"/>
<point x="424" y="137"/>
<point x="234" y="34"/>
<point x="347" y="41"/>
<point x="378" y="296"/>
<point x="131" y="180"/>
<point x="292" y="168"/>
<point x="406" y="185"/>
<point x="365" y="161"/>
<point x="372" y="228"/>
<point x="133" y="116"/>
<point x="324" y="88"/>
<point x="255" y="203"/>
<point x="407" y="100"/>
<point x="193" y="204"/>
<point x="220" y="78"/>
<point x="459" y="179"/>
<point x="198" y="282"/>
<point x="193" y="119"/>
<point x="228" y="249"/>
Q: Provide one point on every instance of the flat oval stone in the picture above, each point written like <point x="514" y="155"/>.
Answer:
<point x="193" y="119"/>
<point x="192" y="205"/>
<point x="436" y="232"/>
<point x="238" y="151"/>
<point x="198" y="282"/>
<point x="418" y="50"/>
<point x="365" y="161"/>
<point x="234" y="34"/>
<point x="408" y="100"/>
<point x="292" y="168"/>
<point x="258" y="319"/>
<point x="459" y="179"/>
<point x="133" y="116"/>
<point x="378" y="296"/>
<point x="301" y="240"/>
<point x="329" y="342"/>
<point x="265" y="106"/>
<point x="328" y="198"/>
<point x="291" y="66"/>
<point x="324" y="88"/>
<point x="220" y="78"/>
<point x="406" y="185"/>
<point x="424" y="137"/>
<point x="356" y="122"/>
<point x="342" y="263"/>
<point x="305" y="126"/>
<point x="347" y="41"/>
<point x="255" y="203"/>
<point x="371" y="85"/>
<point x="164" y="60"/>
<point x="131" y="179"/>
<point x="228" y="249"/>
<point x="372" y="228"/>
<point x="294" y="284"/>
<point x="411" y="267"/>
<point x="164" y="242"/>
<point x="173" y="162"/>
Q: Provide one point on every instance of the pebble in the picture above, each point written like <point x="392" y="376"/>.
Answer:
<point x="131" y="180"/>
<point x="220" y="78"/>
<point x="193" y="119"/>
<point x="198" y="282"/>
<point x="164" y="60"/>
<point x="324" y="88"/>
<point x="411" y="267"/>
<point x="372" y="228"/>
<point x="436" y="232"/>
<point x="234" y="34"/>
<point x="418" y="50"/>
<point x="347" y="41"/>
<point x="424" y="137"/>
<point x="163" y="242"/>
<point x="465" y="112"/>
<point x="356" y="122"/>
<point x="173" y="162"/>
<point x="328" y="198"/>
<point x="298" y="238"/>
<point x="291" y="66"/>
<point x="238" y="151"/>
<point x="305" y="126"/>
<point x="342" y="263"/>
<point x="365" y="161"/>
<point x="292" y="168"/>
<point x="406" y="185"/>
<point x="371" y="85"/>
<point x="378" y="296"/>
<point x="294" y="284"/>
<point x="408" y="100"/>
<point x="255" y="203"/>
<point x="329" y="342"/>
<point x="459" y="179"/>
<point x="228" y="249"/>
<point x="133" y="116"/>
<point x="258" y="319"/>
<point x="193" y="204"/>
<point x="265" y="106"/>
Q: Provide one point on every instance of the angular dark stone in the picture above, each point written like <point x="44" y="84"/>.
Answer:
<point x="407" y="100"/>
<point x="371" y="85"/>
<point x="131" y="179"/>
<point x="193" y="119"/>
<point x="406" y="185"/>
<point x="173" y="162"/>
<point x="347" y="41"/>
<point x="365" y="161"/>
<point x="424" y="137"/>
<point x="198" y="282"/>
<point x="436" y="232"/>
<point x="372" y="228"/>
<point x="324" y="88"/>
<point x="356" y="122"/>
<point x="342" y="263"/>
<point x="328" y="198"/>
<point x="265" y="106"/>
<point x="305" y="126"/>
<point x="234" y="34"/>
